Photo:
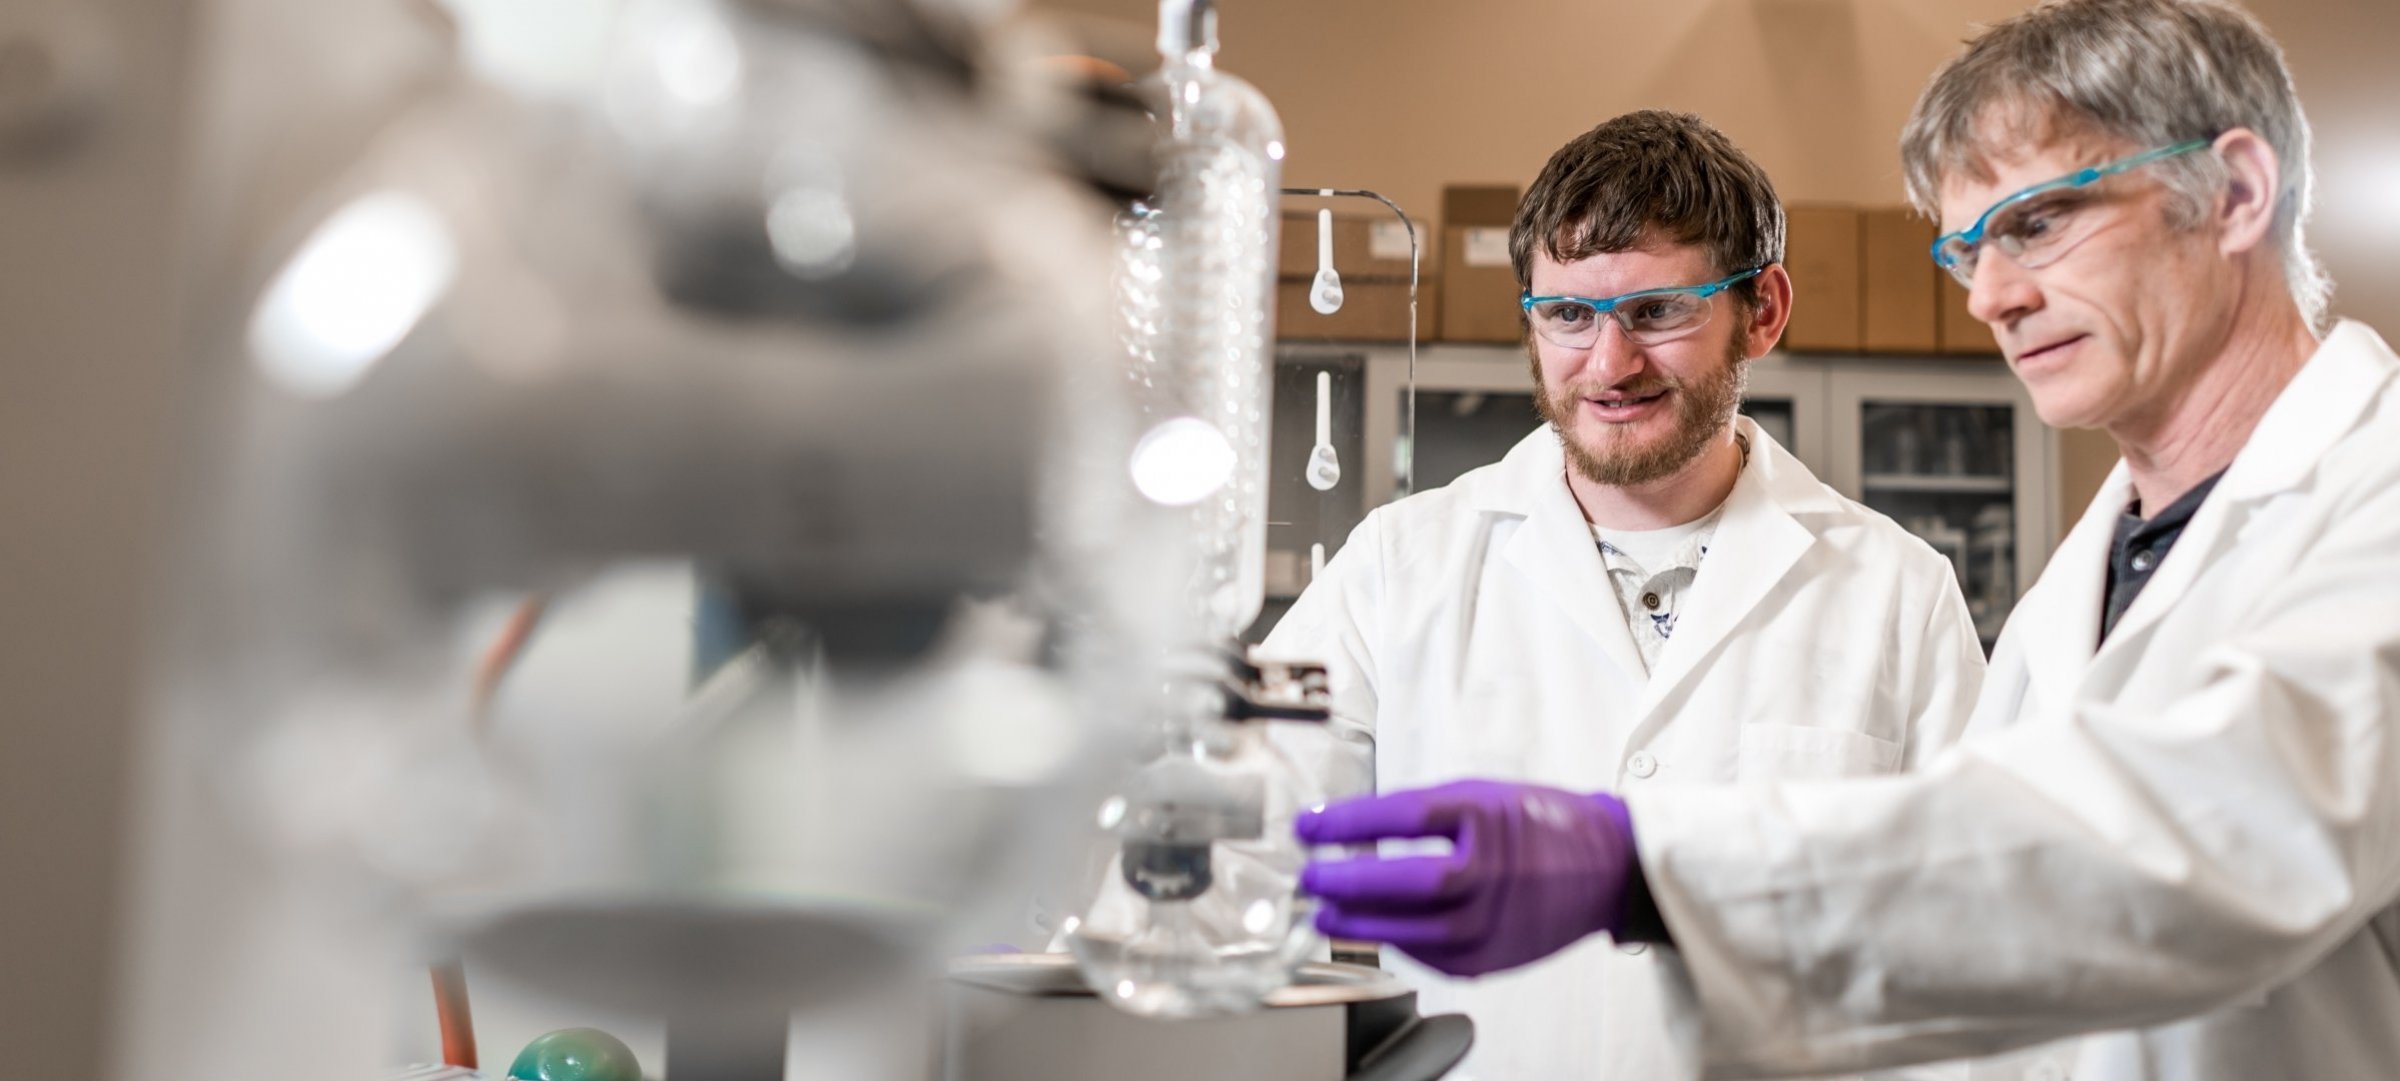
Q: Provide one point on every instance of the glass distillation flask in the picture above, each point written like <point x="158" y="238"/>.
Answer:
<point x="1196" y="911"/>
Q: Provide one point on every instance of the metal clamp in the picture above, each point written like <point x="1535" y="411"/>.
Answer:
<point x="1277" y="691"/>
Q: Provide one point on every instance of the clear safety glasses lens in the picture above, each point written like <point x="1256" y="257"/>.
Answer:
<point x="1646" y="320"/>
<point x="2038" y="226"/>
<point x="1957" y="255"/>
<point x="2034" y="233"/>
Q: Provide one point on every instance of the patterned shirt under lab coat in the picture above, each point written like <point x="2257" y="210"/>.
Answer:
<point x="1474" y="632"/>
<point x="1652" y="599"/>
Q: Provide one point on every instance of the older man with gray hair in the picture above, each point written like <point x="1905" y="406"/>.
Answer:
<point x="2176" y="831"/>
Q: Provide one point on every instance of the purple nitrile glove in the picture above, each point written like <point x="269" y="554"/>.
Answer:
<point x="1531" y="870"/>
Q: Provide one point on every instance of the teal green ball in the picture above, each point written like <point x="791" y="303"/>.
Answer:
<point x="576" y="1054"/>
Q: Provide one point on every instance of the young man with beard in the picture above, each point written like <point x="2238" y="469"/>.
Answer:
<point x="1647" y="590"/>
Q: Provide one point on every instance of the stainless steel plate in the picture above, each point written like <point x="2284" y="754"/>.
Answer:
<point x="1317" y="983"/>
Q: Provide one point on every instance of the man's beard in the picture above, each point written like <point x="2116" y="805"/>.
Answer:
<point x="1703" y="407"/>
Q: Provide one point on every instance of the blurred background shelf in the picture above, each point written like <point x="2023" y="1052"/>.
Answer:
<point x="1918" y="482"/>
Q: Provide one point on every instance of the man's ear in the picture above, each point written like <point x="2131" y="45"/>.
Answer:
<point x="2245" y="206"/>
<point x="1769" y="312"/>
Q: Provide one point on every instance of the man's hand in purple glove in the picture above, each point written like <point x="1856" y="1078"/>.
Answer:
<point x="1530" y="871"/>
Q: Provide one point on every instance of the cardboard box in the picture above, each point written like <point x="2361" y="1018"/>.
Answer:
<point x="1821" y="252"/>
<point x="1962" y="333"/>
<point x="1480" y="204"/>
<point x="1369" y="247"/>
<point x="1479" y="286"/>
<point x="1902" y="286"/>
<point x="1371" y="311"/>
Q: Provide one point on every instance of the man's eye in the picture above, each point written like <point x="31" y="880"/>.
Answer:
<point x="2036" y="223"/>
<point x="1570" y="314"/>
<point x="1654" y="310"/>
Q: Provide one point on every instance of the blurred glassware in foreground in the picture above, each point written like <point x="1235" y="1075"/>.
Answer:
<point x="758" y="395"/>
<point x="1198" y="911"/>
<point x="1195" y="308"/>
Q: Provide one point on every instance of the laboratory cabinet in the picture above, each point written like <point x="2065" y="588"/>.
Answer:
<point x="1952" y="451"/>
<point x="1948" y="447"/>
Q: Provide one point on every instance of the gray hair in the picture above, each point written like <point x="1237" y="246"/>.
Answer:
<point x="2147" y="72"/>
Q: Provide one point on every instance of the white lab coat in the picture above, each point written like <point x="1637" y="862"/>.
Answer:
<point x="2190" y="835"/>
<point x="1473" y="629"/>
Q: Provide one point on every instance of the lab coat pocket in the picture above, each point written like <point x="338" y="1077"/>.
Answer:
<point x="1792" y="751"/>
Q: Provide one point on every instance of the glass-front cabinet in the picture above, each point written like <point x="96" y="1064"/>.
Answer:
<point x="1953" y="452"/>
<point x="1787" y="401"/>
<point x="1948" y="447"/>
<point x="1317" y="463"/>
<point x="1475" y="402"/>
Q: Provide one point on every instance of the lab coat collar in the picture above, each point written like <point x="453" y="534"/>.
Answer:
<point x="1534" y="473"/>
<point x="1554" y="545"/>
<point x="2056" y="625"/>
<point x="1757" y="542"/>
<point x="1530" y="475"/>
<point x="2061" y="613"/>
<point x="2318" y="407"/>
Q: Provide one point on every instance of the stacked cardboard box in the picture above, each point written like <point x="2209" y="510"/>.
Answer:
<point x="1371" y="254"/>
<point x="1901" y="288"/>
<point x="1961" y="332"/>
<point x="1863" y="281"/>
<point x="1479" y="287"/>
<point x="1820" y="251"/>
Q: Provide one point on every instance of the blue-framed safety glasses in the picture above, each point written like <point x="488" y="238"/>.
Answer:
<point x="2041" y="223"/>
<point x="1648" y="317"/>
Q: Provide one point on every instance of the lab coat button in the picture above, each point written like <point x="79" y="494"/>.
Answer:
<point x="1642" y="764"/>
<point x="1650" y="601"/>
<point x="2143" y="559"/>
<point x="1634" y="949"/>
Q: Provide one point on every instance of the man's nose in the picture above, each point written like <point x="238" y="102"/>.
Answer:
<point x="2003" y="292"/>
<point x="1615" y="357"/>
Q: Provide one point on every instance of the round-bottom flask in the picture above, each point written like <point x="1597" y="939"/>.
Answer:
<point x="1199" y="912"/>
